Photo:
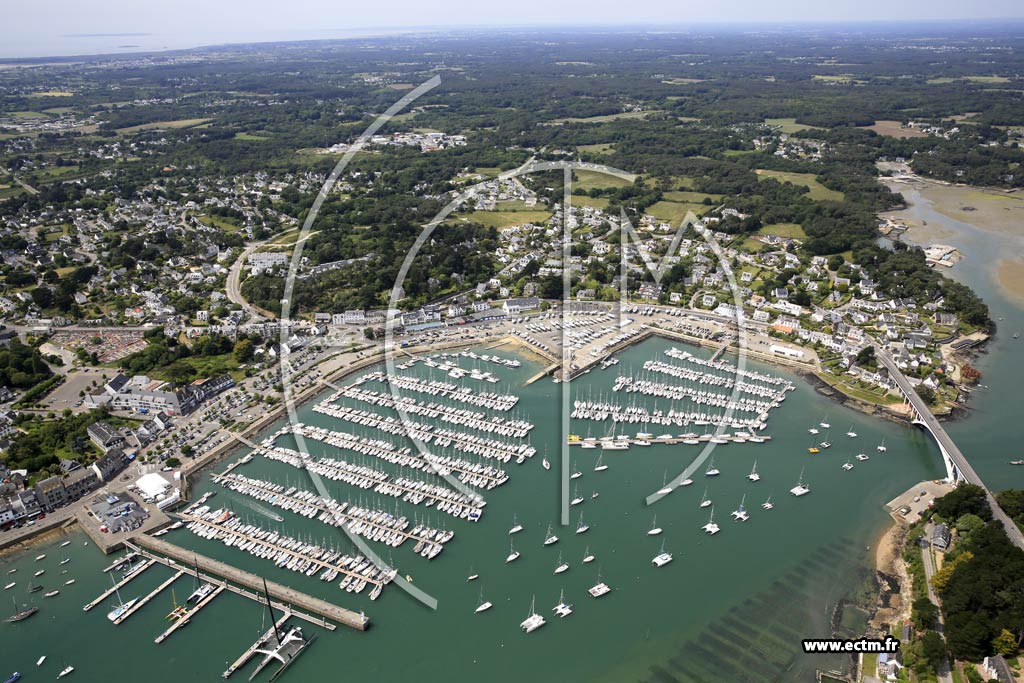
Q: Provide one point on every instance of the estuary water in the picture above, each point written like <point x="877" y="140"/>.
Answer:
<point x="730" y="607"/>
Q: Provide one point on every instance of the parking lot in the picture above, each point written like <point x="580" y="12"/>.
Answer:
<point x="911" y="505"/>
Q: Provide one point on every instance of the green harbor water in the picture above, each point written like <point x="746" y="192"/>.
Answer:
<point x="729" y="608"/>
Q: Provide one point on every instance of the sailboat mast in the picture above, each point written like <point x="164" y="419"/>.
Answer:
<point x="270" y="609"/>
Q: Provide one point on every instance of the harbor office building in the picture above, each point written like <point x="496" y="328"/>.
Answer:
<point x="143" y="395"/>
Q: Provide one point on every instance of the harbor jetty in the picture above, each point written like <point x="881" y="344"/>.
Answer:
<point x="284" y="596"/>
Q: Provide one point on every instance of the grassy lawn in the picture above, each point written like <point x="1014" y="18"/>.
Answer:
<point x="589" y="180"/>
<point x="790" y="230"/>
<point x="869" y="663"/>
<point x="675" y="212"/>
<point x="738" y="152"/>
<point x="504" y="219"/>
<point x="225" y="224"/>
<point x="817" y="190"/>
<point x="51" y="93"/>
<point x="751" y="245"/>
<point x="251" y="136"/>
<point x="789" y="125"/>
<point x="875" y="396"/>
<point x="7" y="192"/>
<point x="207" y="366"/>
<point x="973" y="79"/>
<point x="488" y="171"/>
<point x="688" y="196"/>
<point x="600" y="148"/>
<point x="606" y="117"/>
<point x="179" y="123"/>
<point x="596" y="202"/>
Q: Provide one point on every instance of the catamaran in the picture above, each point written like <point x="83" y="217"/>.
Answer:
<point x="562" y="609"/>
<point x="533" y="621"/>
<point x="599" y="589"/>
<point x="812" y="430"/>
<point x="704" y="500"/>
<point x="863" y="456"/>
<point x="754" y="476"/>
<point x="767" y="505"/>
<point x="825" y="424"/>
<point x="850" y="433"/>
<point x="711" y="528"/>
<point x="848" y="466"/>
<point x="801" y="488"/>
<point x="655" y="529"/>
<point x="881" y="447"/>
<point x="550" y="538"/>
<point x="740" y="513"/>
<point x="662" y="558"/>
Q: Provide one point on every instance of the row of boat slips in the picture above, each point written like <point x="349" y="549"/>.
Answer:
<point x="449" y="363"/>
<point x="495" y="449"/>
<point x="452" y="392"/>
<point x="475" y="474"/>
<point x="622" y="442"/>
<point x="694" y="395"/>
<point x="724" y="366"/>
<point x="413" y="491"/>
<point x="463" y="417"/>
<point x="373" y="525"/>
<point x="294" y="554"/>
<point x="771" y="392"/>
<point x="599" y="412"/>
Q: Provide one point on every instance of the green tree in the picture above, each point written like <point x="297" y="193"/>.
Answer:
<point x="934" y="650"/>
<point x="924" y="613"/>
<point x="967" y="523"/>
<point x="243" y="350"/>
<point x="1005" y="643"/>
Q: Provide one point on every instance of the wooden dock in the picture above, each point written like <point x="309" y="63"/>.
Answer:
<point x="546" y="371"/>
<point x="118" y="562"/>
<point x="138" y="605"/>
<point x="184" y="560"/>
<point x="188" y="615"/>
<point x="120" y="584"/>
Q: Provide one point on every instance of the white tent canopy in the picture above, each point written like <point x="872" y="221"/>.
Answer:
<point x="152" y="485"/>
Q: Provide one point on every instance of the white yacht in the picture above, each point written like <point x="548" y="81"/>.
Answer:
<point x="576" y="497"/>
<point x="825" y="425"/>
<point x="534" y="621"/>
<point x="801" y="489"/>
<point x="711" y="528"/>
<point x="881" y="447"/>
<point x="550" y="538"/>
<point x="513" y="554"/>
<point x="767" y="505"/>
<point x="812" y="430"/>
<point x="848" y="466"/>
<point x="561" y="566"/>
<point x="546" y="463"/>
<point x="754" y="476"/>
<point x="116" y="613"/>
<point x="704" y="500"/>
<point x="665" y="488"/>
<point x="850" y="433"/>
<point x="587" y="557"/>
<point x="712" y="471"/>
<point x="599" y="589"/>
<point x="562" y="609"/>
<point x="600" y="466"/>
<point x="576" y="475"/>
<point x="582" y="527"/>
<point x="41" y="557"/>
<point x="484" y="604"/>
<point x="686" y="482"/>
<point x="662" y="558"/>
<point x="740" y="513"/>
<point x="65" y="671"/>
<point x="516" y="526"/>
<point x="655" y="529"/>
<point x="863" y="456"/>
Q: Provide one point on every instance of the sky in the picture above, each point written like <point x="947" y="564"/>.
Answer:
<point x="65" y="27"/>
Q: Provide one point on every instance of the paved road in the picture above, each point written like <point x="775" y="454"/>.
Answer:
<point x="233" y="286"/>
<point x="943" y="673"/>
<point x="948" y="445"/>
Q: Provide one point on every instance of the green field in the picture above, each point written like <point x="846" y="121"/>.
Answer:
<point x="596" y="202"/>
<point x="207" y="366"/>
<point x="180" y="123"/>
<point x="817" y="190"/>
<point x="692" y="197"/>
<point x="589" y="180"/>
<point x="789" y="125"/>
<point x="605" y="118"/>
<point x="224" y="224"/>
<point x="600" y="148"/>
<point x="251" y="136"/>
<point x="504" y="219"/>
<point x="791" y="230"/>
<point x="973" y="79"/>
<point x="675" y="212"/>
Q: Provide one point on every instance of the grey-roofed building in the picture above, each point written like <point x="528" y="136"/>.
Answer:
<point x="941" y="536"/>
<point x="105" y="436"/>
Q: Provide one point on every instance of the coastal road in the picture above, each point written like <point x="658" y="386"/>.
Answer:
<point x="947" y="444"/>
<point x="943" y="672"/>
